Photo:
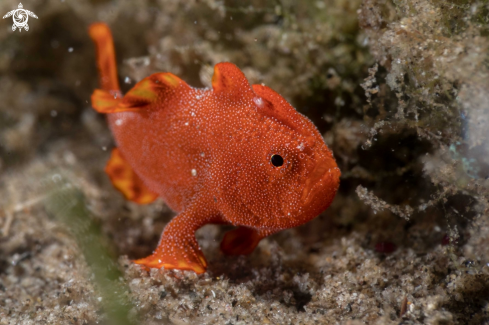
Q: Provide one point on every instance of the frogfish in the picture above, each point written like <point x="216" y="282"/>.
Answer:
<point x="233" y="153"/>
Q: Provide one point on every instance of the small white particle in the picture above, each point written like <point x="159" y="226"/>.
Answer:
<point x="186" y="123"/>
<point x="118" y="122"/>
<point x="104" y="148"/>
<point x="99" y="298"/>
<point x="70" y="49"/>
<point x="127" y="80"/>
<point x="411" y="307"/>
<point x="258" y="101"/>
<point x="213" y="293"/>
<point x="194" y="172"/>
<point x="54" y="113"/>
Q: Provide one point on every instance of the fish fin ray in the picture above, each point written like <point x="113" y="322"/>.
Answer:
<point x="104" y="101"/>
<point x="155" y="91"/>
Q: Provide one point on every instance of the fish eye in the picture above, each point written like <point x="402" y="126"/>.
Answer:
<point x="277" y="160"/>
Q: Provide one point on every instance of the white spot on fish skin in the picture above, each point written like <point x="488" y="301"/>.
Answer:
<point x="202" y="154"/>
<point x="116" y="94"/>
<point x="186" y="123"/>
<point x="192" y="113"/>
<point x="258" y="101"/>
<point x="300" y="146"/>
<point x="194" y="172"/>
<point x="118" y="122"/>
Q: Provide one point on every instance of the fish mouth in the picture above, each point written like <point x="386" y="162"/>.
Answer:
<point x="320" y="187"/>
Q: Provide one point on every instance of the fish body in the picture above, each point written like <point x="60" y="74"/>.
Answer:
<point x="231" y="154"/>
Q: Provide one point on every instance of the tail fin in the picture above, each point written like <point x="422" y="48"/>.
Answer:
<point x="102" y="37"/>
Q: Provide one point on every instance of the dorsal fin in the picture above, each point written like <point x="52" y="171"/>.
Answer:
<point x="229" y="79"/>
<point x="271" y="104"/>
<point x="155" y="90"/>
<point x="104" y="101"/>
<point x="152" y="92"/>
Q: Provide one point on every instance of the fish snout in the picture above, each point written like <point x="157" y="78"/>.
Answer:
<point x="320" y="188"/>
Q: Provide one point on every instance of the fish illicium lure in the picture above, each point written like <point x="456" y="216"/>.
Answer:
<point x="231" y="154"/>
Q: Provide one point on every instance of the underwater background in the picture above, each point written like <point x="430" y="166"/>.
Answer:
<point x="400" y="92"/>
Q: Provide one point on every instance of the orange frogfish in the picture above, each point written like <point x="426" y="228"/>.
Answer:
<point x="231" y="154"/>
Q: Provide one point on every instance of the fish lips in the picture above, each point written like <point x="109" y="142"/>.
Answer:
<point x="321" y="186"/>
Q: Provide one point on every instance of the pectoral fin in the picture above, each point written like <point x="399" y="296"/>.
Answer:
<point x="126" y="180"/>
<point x="243" y="240"/>
<point x="178" y="248"/>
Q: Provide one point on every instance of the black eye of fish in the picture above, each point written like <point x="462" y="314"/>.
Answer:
<point x="277" y="160"/>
